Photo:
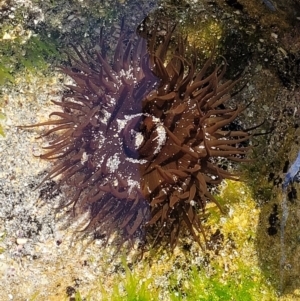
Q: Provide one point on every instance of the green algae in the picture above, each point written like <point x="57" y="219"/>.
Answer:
<point x="232" y="271"/>
<point x="22" y="47"/>
<point x="245" y="284"/>
<point x="2" y="118"/>
<point x="34" y="54"/>
<point x="204" y="36"/>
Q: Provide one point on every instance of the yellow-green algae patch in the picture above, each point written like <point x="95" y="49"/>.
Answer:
<point x="229" y="272"/>
<point x="2" y="118"/>
<point x="204" y="35"/>
<point x="237" y="261"/>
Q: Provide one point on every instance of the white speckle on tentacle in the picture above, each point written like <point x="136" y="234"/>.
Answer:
<point x="161" y="137"/>
<point x="132" y="184"/>
<point x="122" y="122"/>
<point x="113" y="163"/>
<point x="139" y="138"/>
<point x="127" y="74"/>
<point x="139" y="161"/>
<point x="106" y="116"/>
<point x="111" y="101"/>
<point x="84" y="158"/>
<point x="191" y="150"/>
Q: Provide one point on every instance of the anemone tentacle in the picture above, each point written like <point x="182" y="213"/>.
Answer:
<point x="137" y="136"/>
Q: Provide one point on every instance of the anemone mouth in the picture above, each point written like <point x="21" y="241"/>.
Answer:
<point x="137" y="135"/>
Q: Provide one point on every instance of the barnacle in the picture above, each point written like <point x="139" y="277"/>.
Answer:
<point x="137" y="136"/>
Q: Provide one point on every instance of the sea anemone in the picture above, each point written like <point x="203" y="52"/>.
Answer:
<point x="139" y="138"/>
